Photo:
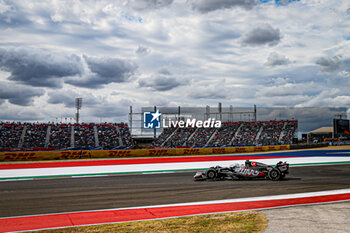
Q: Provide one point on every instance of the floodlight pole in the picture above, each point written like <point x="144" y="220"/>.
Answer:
<point x="78" y="105"/>
<point x="130" y="119"/>
<point x="155" y="130"/>
<point x="77" y="116"/>
<point x="255" y="113"/>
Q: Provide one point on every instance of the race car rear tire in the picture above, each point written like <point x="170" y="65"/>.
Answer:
<point x="211" y="174"/>
<point x="274" y="174"/>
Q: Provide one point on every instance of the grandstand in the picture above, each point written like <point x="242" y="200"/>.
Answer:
<point x="108" y="135"/>
<point x="239" y="127"/>
<point x="200" y="137"/>
<point x="179" y="137"/>
<point x="248" y="133"/>
<point x="125" y="135"/>
<point x="35" y="135"/>
<point x="59" y="136"/>
<point x="164" y="136"/>
<point x="11" y="134"/>
<point x="84" y="135"/>
<point x="226" y="134"/>
<point x="230" y="134"/>
<point x="50" y="136"/>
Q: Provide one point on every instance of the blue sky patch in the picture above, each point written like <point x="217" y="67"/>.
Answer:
<point x="131" y="18"/>
<point x="279" y="2"/>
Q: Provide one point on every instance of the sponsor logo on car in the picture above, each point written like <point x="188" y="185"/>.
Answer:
<point x="248" y="172"/>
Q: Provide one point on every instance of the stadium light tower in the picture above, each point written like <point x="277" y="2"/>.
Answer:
<point x="78" y="105"/>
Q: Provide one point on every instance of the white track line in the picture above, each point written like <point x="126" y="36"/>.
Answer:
<point x="90" y="170"/>
<point x="248" y="199"/>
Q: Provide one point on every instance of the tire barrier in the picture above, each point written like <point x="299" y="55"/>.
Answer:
<point x="86" y="154"/>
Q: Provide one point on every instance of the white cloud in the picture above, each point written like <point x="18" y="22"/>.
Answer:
<point x="127" y="43"/>
<point x="261" y="35"/>
<point x="162" y="81"/>
<point x="329" y="64"/>
<point x="344" y="74"/>
<point x="142" y="51"/>
<point x="4" y="7"/>
<point x="326" y="98"/>
<point x="276" y="59"/>
<point x="205" y="6"/>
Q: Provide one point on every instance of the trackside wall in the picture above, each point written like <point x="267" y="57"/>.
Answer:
<point x="85" y="154"/>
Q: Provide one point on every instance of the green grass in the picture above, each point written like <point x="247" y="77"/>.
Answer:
<point x="251" y="221"/>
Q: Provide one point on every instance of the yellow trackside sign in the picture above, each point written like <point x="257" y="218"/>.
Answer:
<point x="85" y="154"/>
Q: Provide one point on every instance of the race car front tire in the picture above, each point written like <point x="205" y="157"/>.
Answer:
<point x="211" y="174"/>
<point x="274" y="174"/>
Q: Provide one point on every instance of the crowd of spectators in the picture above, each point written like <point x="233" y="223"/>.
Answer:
<point x="200" y="137"/>
<point x="111" y="135"/>
<point x="247" y="134"/>
<point x="231" y="134"/>
<point x="164" y="136"/>
<point x="224" y="135"/>
<point x="108" y="135"/>
<point x="35" y="135"/>
<point x="10" y="134"/>
<point x="126" y="136"/>
<point x="288" y="132"/>
<point x="84" y="135"/>
<point x="180" y="137"/>
<point x="271" y="133"/>
<point x="60" y="136"/>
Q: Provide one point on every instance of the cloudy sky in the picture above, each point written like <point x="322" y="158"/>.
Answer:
<point x="115" y="54"/>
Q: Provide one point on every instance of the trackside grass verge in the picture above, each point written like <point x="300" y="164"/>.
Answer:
<point x="251" y="221"/>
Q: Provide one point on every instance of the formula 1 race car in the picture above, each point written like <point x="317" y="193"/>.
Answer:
<point x="250" y="170"/>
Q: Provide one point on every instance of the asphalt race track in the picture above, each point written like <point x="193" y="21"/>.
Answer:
<point x="76" y="194"/>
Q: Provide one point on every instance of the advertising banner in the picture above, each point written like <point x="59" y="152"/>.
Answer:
<point x="85" y="154"/>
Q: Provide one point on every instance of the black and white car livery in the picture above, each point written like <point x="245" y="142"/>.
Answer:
<point x="250" y="170"/>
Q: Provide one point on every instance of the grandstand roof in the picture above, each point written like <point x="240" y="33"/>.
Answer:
<point x="322" y="130"/>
